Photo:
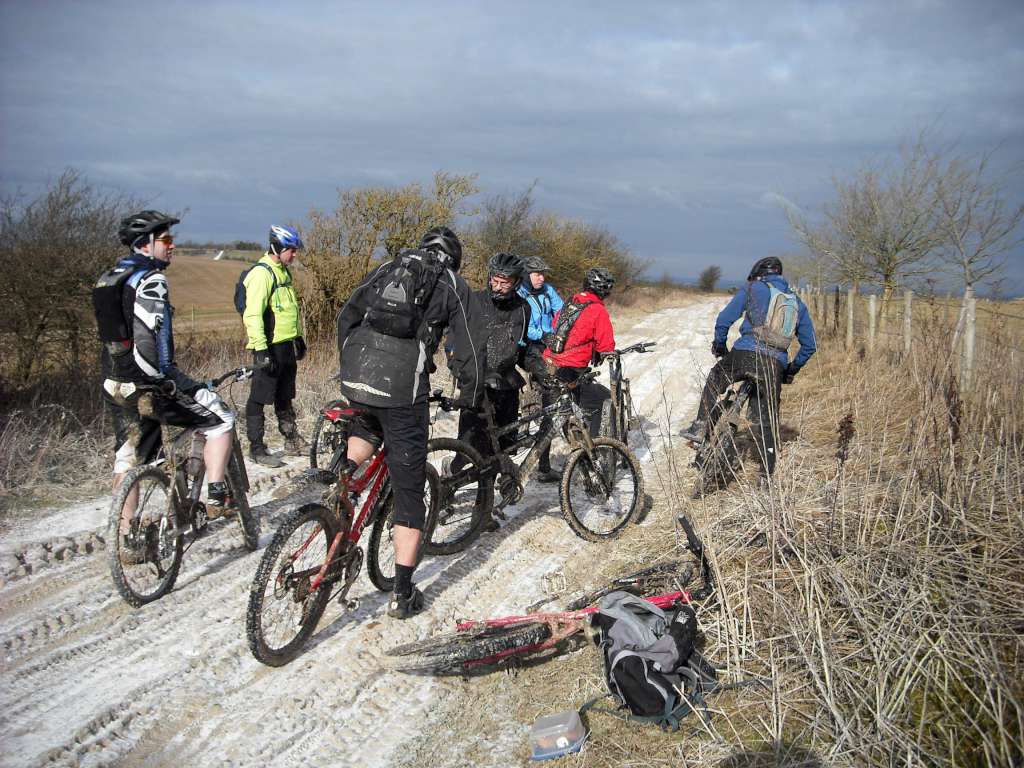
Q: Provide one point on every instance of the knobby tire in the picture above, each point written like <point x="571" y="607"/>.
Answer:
<point x="248" y="520"/>
<point x="579" y="482"/>
<point x="270" y="593"/>
<point x="131" y="580"/>
<point x="459" y="518"/>
<point x="325" y="429"/>
<point x="380" y="554"/>
<point x="460" y="651"/>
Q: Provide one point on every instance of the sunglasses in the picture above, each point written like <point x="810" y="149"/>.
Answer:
<point x="165" y="239"/>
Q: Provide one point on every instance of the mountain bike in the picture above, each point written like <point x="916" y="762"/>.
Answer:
<point x="483" y="643"/>
<point x="617" y="416"/>
<point x="717" y="458"/>
<point x="315" y="555"/>
<point x="161" y="503"/>
<point x="600" y="492"/>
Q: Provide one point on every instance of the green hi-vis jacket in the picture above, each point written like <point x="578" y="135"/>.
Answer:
<point x="283" y="303"/>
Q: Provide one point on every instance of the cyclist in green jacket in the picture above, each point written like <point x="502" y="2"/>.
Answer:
<point x="274" y="331"/>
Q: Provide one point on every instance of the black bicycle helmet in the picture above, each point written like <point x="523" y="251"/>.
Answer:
<point x="443" y="240"/>
<point x="770" y="265"/>
<point x="505" y="265"/>
<point x="599" y="281"/>
<point x="143" y="224"/>
<point x="535" y="264"/>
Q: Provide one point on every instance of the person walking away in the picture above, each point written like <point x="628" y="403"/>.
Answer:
<point x="134" y="320"/>
<point x="772" y="317"/>
<point x="544" y="303"/>
<point x="589" y="337"/>
<point x="274" y="331"/>
<point x="388" y="332"/>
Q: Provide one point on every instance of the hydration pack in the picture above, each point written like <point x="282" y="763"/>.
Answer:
<point x="780" y="319"/>
<point x="566" y="320"/>
<point x="108" y="306"/>
<point x="240" y="285"/>
<point x="401" y="294"/>
<point x="650" y="663"/>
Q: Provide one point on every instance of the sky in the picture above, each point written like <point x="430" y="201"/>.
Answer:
<point x="685" y="128"/>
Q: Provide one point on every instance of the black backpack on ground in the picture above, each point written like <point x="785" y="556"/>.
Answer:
<point x="401" y="293"/>
<point x="566" y="320"/>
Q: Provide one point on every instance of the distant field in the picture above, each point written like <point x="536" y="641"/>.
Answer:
<point x="202" y="290"/>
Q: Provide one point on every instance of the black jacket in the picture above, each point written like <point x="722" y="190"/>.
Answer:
<point x="505" y="325"/>
<point x="386" y="371"/>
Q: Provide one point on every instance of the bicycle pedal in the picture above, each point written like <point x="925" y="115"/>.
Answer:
<point x="349" y="605"/>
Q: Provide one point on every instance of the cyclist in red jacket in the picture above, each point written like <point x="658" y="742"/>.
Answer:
<point x="590" y="337"/>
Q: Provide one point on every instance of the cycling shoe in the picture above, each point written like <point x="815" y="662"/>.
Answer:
<point x="406" y="607"/>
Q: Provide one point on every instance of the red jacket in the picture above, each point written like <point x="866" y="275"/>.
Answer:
<point x="592" y="332"/>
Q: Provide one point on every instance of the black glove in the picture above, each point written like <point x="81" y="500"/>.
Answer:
<point x="547" y="338"/>
<point x="789" y="374"/>
<point x="300" y="347"/>
<point x="262" y="360"/>
<point x="719" y="349"/>
<point x="465" y="401"/>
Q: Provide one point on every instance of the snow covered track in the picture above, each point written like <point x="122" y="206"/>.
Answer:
<point x="87" y="680"/>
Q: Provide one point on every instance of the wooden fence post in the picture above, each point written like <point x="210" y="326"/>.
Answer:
<point x="872" y="320"/>
<point x="908" y="299"/>
<point x="851" y="297"/>
<point x="967" y="359"/>
<point x="835" y="313"/>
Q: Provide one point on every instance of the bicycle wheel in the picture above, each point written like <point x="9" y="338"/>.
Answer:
<point x="600" y="496"/>
<point x="145" y="561"/>
<point x="716" y="458"/>
<point x="626" y="418"/>
<point x="609" y="424"/>
<point x="283" y="609"/>
<point x="380" y="556"/>
<point x="465" y="497"/>
<point x="457" y="651"/>
<point x="248" y="521"/>
<point x="327" y="437"/>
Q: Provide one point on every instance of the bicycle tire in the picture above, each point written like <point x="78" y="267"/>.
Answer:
<point x="465" y="501"/>
<point x="325" y="431"/>
<point x="248" y="521"/>
<point x="287" y="546"/>
<point x="458" y="651"/>
<point x="716" y="457"/>
<point x="163" y="554"/>
<point x="608" y="426"/>
<point x="581" y="488"/>
<point x="625" y="412"/>
<point x="380" y="554"/>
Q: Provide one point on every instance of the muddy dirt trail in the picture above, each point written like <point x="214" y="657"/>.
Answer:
<point x="87" y="680"/>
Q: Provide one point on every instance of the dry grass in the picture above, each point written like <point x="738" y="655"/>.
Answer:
<point x="879" y="582"/>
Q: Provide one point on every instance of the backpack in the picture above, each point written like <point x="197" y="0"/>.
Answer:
<point x="108" y="305"/>
<point x="780" y="319"/>
<point x="401" y="294"/>
<point x="240" y="285"/>
<point x="650" y="663"/>
<point x="566" y="320"/>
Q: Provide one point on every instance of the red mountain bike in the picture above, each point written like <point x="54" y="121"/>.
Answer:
<point x="315" y="555"/>
<point x="478" y="644"/>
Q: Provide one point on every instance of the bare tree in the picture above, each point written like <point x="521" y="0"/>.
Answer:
<point x="52" y="249"/>
<point x="708" y="279"/>
<point x="977" y="227"/>
<point x="881" y="225"/>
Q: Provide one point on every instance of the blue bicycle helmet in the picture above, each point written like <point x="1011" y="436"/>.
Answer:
<point x="283" y="238"/>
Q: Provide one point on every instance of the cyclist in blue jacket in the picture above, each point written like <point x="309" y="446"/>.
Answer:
<point x="761" y="354"/>
<point x="544" y="304"/>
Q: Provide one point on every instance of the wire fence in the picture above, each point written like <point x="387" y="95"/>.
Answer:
<point x="904" y="324"/>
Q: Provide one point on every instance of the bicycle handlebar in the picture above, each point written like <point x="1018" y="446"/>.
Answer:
<point x="640" y="346"/>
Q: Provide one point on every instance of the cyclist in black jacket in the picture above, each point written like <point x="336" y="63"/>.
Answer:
<point x="504" y="319"/>
<point x="389" y="376"/>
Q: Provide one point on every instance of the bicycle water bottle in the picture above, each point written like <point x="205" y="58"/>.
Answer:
<point x="194" y="465"/>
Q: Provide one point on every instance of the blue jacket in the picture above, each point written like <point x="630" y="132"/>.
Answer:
<point x="543" y="307"/>
<point x="752" y="302"/>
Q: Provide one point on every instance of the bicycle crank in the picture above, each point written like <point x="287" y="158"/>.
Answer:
<point x="354" y="562"/>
